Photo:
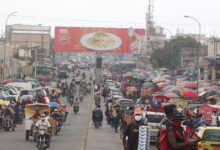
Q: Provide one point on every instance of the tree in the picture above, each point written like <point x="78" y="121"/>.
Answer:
<point x="168" y="57"/>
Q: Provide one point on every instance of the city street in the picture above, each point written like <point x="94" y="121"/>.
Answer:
<point x="77" y="133"/>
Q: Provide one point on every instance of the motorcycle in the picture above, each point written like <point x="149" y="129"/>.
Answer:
<point x="42" y="140"/>
<point x="18" y="118"/>
<point x="7" y="124"/>
<point x="71" y="101"/>
<point x="64" y="115"/>
<point x="58" y="127"/>
<point x="76" y="109"/>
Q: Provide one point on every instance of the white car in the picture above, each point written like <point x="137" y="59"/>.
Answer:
<point x="153" y="119"/>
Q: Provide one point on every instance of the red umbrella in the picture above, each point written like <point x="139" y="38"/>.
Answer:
<point x="163" y="85"/>
<point x="126" y="85"/>
<point x="144" y="72"/>
<point x="171" y="95"/>
<point x="190" y="94"/>
<point x="190" y="85"/>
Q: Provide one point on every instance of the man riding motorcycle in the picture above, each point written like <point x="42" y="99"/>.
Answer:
<point x="56" y="115"/>
<point x="64" y="111"/>
<point x="8" y="117"/>
<point x="43" y="124"/>
<point x="97" y="116"/>
<point x="76" y="106"/>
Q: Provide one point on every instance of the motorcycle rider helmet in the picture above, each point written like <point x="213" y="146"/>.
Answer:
<point x="55" y="110"/>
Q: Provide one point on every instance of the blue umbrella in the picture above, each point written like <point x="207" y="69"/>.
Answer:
<point x="53" y="105"/>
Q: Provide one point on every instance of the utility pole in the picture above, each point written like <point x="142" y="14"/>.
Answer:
<point x="5" y="42"/>
<point x="198" y="51"/>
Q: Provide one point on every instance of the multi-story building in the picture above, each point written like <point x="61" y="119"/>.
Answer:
<point x="199" y="38"/>
<point x="214" y="46"/>
<point x="155" y="38"/>
<point x="27" y="38"/>
<point x="25" y="42"/>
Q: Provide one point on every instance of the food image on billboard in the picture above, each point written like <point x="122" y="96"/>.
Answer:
<point x="106" y="40"/>
<point x="101" y="41"/>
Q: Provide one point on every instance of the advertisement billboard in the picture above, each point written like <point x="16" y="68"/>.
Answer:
<point x="104" y="40"/>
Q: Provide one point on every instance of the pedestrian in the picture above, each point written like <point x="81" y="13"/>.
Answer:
<point x="214" y="121"/>
<point x="116" y="117"/>
<point x="176" y="134"/>
<point x="165" y="124"/>
<point x="132" y="131"/>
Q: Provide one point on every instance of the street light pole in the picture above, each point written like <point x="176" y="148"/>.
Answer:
<point x="197" y="56"/>
<point x="175" y="72"/>
<point x="5" y="42"/>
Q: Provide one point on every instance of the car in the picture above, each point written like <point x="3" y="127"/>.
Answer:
<point x="210" y="138"/>
<point x="154" y="119"/>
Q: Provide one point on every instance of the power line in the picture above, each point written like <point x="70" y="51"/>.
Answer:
<point x="65" y="20"/>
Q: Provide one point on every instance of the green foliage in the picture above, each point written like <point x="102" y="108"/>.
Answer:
<point x="168" y="57"/>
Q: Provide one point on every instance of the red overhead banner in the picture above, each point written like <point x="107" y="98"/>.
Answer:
<point x="104" y="40"/>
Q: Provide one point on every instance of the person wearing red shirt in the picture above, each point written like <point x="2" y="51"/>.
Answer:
<point x="36" y="115"/>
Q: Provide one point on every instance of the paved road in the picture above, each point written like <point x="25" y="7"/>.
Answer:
<point x="75" y="134"/>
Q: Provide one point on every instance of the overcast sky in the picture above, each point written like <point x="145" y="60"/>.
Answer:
<point x="114" y="13"/>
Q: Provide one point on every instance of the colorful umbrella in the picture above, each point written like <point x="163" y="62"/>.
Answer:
<point x="144" y="72"/>
<point x="163" y="85"/>
<point x="171" y="95"/>
<point x="2" y="102"/>
<point x="157" y="80"/>
<point x="127" y="75"/>
<point x="190" y="94"/>
<point x="190" y="85"/>
<point x="167" y="88"/>
<point x="54" y="105"/>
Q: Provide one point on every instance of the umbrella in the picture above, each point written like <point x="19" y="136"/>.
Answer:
<point x="2" y="102"/>
<point x="190" y="94"/>
<point x="190" y="85"/>
<point x="54" y="104"/>
<point x="179" y="76"/>
<point x="144" y="72"/>
<point x="142" y="77"/>
<point x="134" y="73"/>
<point x="163" y="85"/>
<point x="167" y="88"/>
<point x="127" y="75"/>
<point x="171" y="95"/>
<point x="157" y="80"/>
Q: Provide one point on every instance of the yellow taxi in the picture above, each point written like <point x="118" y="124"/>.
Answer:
<point x="210" y="138"/>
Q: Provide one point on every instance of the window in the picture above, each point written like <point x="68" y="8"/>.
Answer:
<point x="211" y="135"/>
<point x="154" y="118"/>
<point x="148" y="46"/>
